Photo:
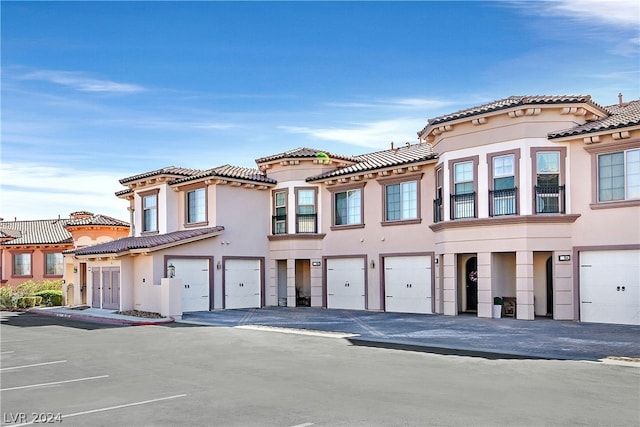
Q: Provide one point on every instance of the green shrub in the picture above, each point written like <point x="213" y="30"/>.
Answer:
<point x="497" y="301"/>
<point x="38" y="300"/>
<point x="26" y="302"/>
<point x="7" y="298"/>
<point x="50" y="297"/>
<point x="31" y="287"/>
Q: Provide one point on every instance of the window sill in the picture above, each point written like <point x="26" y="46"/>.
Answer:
<point x="616" y="204"/>
<point x="196" y="224"/>
<point x="28" y="276"/>
<point x="346" y="227"/>
<point x="149" y="233"/>
<point x="309" y="236"/>
<point x="401" y="222"/>
<point x="52" y="276"/>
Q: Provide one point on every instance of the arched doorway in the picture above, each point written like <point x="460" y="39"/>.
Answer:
<point x="471" y="274"/>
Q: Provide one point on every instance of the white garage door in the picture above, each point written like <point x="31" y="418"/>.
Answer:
<point x="195" y="281"/>
<point x="407" y="284"/>
<point x="610" y="287"/>
<point x="345" y="283"/>
<point x="242" y="283"/>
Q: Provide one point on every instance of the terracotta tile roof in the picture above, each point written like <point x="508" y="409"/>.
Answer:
<point x="399" y="156"/>
<point x="621" y="116"/>
<point x="97" y="220"/>
<point x="302" y="152"/>
<point x="510" y="102"/>
<point x="169" y="170"/>
<point x="36" y="232"/>
<point x="126" y="244"/>
<point x="228" y="171"/>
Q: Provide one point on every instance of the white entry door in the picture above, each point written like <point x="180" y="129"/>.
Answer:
<point x="195" y="281"/>
<point x="407" y="284"/>
<point x="610" y="287"/>
<point x="345" y="283"/>
<point x="242" y="283"/>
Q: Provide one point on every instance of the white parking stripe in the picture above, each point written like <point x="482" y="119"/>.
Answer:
<point x="304" y="425"/>
<point x="30" y="366"/>
<point x="93" y="411"/>
<point x="54" y="383"/>
<point x="5" y="352"/>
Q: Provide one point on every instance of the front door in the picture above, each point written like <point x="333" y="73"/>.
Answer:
<point x="471" y="269"/>
<point x="83" y="283"/>
<point x="111" y="287"/>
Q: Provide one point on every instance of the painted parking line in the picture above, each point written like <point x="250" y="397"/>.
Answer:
<point x="54" y="383"/>
<point x="93" y="411"/>
<point x="31" y="366"/>
<point x="6" y="352"/>
<point x="297" y="331"/>
<point x="304" y="425"/>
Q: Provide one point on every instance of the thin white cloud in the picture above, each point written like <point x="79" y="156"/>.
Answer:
<point x="404" y="103"/>
<point x="371" y="135"/>
<point x="81" y="82"/>
<point x="46" y="192"/>
<point x="620" y="13"/>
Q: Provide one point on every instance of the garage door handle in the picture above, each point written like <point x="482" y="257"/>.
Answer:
<point x="389" y="296"/>
<point x="586" y="302"/>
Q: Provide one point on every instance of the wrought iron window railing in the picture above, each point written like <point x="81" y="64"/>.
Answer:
<point x="503" y="202"/>
<point x="306" y="223"/>
<point x="438" y="210"/>
<point x="463" y="205"/>
<point x="279" y="224"/>
<point x="549" y="199"/>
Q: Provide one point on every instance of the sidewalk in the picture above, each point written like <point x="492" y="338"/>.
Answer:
<point x="541" y="338"/>
<point x="99" y="315"/>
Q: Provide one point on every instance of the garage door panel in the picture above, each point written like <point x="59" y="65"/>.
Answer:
<point x="346" y="284"/>
<point x="242" y="283"/>
<point x="195" y="281"/>
<point x="610" y="287"/>
<point x="408" y="284"/>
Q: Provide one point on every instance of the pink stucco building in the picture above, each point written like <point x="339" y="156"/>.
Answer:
<point x="531" y="199"/>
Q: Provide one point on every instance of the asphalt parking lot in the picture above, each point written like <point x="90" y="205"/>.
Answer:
<point x="90" y="374"/>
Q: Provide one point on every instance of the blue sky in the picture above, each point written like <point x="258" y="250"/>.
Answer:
<point x="93" y="92"/>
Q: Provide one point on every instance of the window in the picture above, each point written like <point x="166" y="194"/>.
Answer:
<point x="619" y="176"/>
<point x="463" y="198"/>
<point x="22" y="264"/>
<point x="280" y="212"/>
<point x="348" y="207"/>
<point x="549" y="193"/>
<point x="306" y="211"/>
<point x="196" y="206"/>
<point x="401" y="201"/>
<point x="150" y="212"/>
<point x="53" y="264"/>
<point x="503" y="196"/>
<point x="438" y="204"/>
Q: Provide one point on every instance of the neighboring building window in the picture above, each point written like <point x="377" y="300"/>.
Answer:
<point x="53" y="264"/>
<point x="503" y="196"/>
<point x="619" y="176"/>
<point x="306" y="211"/>
<point x="150" y="212"/>
<point x="280" y="212"/>
<point x="549" y="193"/>
<point x="22" y="264"/>
<point x="348" y="207"/>
<point x="463" y="199"/>
<point x="196" y="206"/>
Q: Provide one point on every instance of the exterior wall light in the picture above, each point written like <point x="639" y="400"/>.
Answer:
<point x="218" y="265"/>
<point x="564" y="257"/>
<point x="372" y="264"/>
<point x="171" y="271"/>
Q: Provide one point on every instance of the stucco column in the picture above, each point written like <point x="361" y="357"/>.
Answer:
<point x="291" y="282"/>
<point x="450" y="291"/>
<point x="524" y="285"/>
<point x="485" y="299"/>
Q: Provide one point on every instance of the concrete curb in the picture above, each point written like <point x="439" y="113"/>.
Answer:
<point x="102" y="319"/>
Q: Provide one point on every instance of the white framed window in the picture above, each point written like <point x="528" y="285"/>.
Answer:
<point x="280" y="212"/>
<point x="150" y="212"/>
<point x="196" y="206"/>
<point x="22" y="264"/>
<point x="619" y="176"/>
<point x="401" y="201"/>
<point x="503" y="194"/>
<point x="348" y="207"/>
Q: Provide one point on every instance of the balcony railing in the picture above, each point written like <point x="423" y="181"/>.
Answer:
<point x="306" y="223"/>
<point x="279" y="224"/>
<point x="438" y="210"/>
<point x="463" y="205"/>
<point x="549" y="199"/>
<point x="503" y="202"/>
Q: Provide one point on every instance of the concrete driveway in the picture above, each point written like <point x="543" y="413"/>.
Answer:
<point x="465" y="334"/>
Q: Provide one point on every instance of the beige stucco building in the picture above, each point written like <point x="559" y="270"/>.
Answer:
<point x="531" y="199"/>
